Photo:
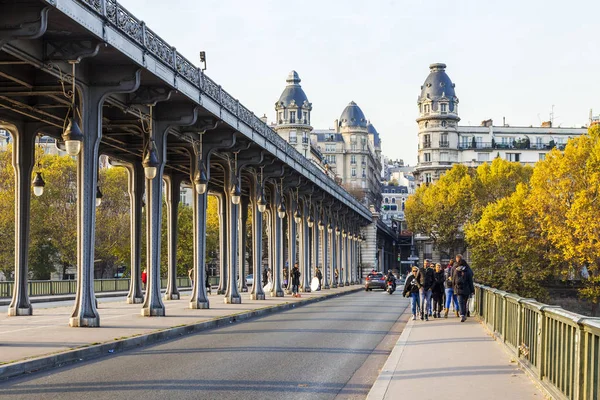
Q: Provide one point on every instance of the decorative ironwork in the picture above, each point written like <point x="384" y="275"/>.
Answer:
<point x="159" y="47"/>
<point x="151" y="42"/>
<point x="129" y="24"/>
<point x="188" y="70"/>
<point x="228" y="102"/>
<point x="95" y="4"/>
<point x="211" y="88"/>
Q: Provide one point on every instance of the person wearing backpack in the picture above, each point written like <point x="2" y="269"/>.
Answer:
<point x="449" y="289"/>
<point x="411" y="289"/>
<point x="425" y="280"/>
<point x="462" y="279"/>
<point x="437" y="291"/>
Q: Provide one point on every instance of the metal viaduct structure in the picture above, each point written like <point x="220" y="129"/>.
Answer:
<point x="92" y="76"/>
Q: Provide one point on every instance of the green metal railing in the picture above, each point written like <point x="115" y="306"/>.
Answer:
<point x="559" y="348"/>
<point x="50" y="288"/>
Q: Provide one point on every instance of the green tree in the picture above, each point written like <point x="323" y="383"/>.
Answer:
<point x="7" y="213"/>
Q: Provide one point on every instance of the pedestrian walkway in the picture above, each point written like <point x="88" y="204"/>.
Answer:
<point x="47" y="332"/>
<point x="444" y="358"/>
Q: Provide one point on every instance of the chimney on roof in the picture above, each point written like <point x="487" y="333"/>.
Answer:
<point x="264" y="118"/>
<point x="487" y="123"/>
<point x="547" y="124"/>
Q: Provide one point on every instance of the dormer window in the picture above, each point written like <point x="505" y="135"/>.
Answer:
<point x="426" y="109"/>
<point x="444" y="108"/>
<point x="305" y="117"/>
<point x="292" y="117"/>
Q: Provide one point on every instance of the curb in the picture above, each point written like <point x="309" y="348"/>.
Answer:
<point x="382" y="383"/>
<point x="93" y="351"/>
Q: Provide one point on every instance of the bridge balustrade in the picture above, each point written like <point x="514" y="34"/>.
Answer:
<point x="560" y="349"/>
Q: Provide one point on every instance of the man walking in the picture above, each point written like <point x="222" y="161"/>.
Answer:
<point x="425" y="280"/>
<point x="295" y="280"/>
<point x="462" y="279"/>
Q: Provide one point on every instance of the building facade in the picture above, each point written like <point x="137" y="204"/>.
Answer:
<point x="443" y="142"/>
<point x="351" y="152"/>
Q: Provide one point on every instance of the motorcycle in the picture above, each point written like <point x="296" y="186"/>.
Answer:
<point x="389" y="287"/>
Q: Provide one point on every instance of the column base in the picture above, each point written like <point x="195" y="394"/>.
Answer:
<point x="153" y="312"/>
<point x="254" y="296"/>
<point x="135" y="300"/>
<point x="334" y="286"/>
<point x="346" y="284"/>
<point x="277" y="294"/>
<point x="77" y="322"/>
<point x="233" y="300"/>
<point x="171" y="296"/>
<point x="16" y="312"/>
<point x="199" y="305"/>
<point x="305" y="290"/>
<point x="326" y="287"/>
<point x="220" y="291"/>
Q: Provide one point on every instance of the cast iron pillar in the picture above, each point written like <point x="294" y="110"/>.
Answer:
<point x="257" y="234"/>
<point x="22" y="160"/>
<point x="84" y="312"/>
<point x="199" y="298"/>
<point x="314" y="244"/>
<point x="305" y="244"/>
<point x="232" y="296"/>
<point x="325" y="252"/>
<point x="277" y="240"/>
<point x="136" y="182"/>
<point x="243" y="215"/>
<point x="223" y="212"/>
<point x="347" y="259"/>
<point x="173" y="195"/>
<point x="291" y="228"/>
<point x="334" y="263"/>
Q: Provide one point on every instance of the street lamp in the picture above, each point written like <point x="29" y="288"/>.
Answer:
<point x="200" y="179"/>
<point x="344" y="234"/>
<point x="72" y="135"/>
<point x="329" y="228"/>
<point x="281" y="210"/>
<point x="321" y="225"/>
<point x="38" y="184"/>
<point x="236" y="193"/>
<point x="150" y="162"/>
<point x="337" y="231"/>
<point x="310" y="221"/>
<point x="98" y="196"/>
<point x="262" y="202"/>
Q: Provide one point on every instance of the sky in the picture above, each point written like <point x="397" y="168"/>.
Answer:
<point x="512" y="59"/>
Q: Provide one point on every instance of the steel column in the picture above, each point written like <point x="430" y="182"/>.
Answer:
<point x="136" y="184"/>
<point x="173" y="194"/>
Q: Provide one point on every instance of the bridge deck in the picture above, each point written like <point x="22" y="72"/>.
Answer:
<point x="443" y="358"/>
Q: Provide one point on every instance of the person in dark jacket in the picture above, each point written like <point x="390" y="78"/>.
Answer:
<point x="437" y="290"/>
<point x="425" y="279"/>
<point x="295" y="280"/>
<point x="265" y="276"/>
<point x="391" y="278"/>
<point x="411" y="289"/>
<point x="319" y="276"/>
<point x="449" y="288"/>
<point x="462" y="279"/>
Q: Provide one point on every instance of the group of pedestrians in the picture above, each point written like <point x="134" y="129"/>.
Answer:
<point x="433" y="289"/>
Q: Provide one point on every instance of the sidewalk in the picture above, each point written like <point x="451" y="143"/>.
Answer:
<point x="46" y="335"/>
<point x="444" y="358"/>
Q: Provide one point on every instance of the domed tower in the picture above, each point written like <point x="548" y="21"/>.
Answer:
<point x="362" y="166"/>
<point x="438" y="120"/>
<point x="293" y="115"/>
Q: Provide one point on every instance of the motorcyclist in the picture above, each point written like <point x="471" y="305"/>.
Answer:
<point x="391" y="278"/>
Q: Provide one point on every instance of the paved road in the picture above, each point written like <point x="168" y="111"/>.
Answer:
<point x="320" y="351"/>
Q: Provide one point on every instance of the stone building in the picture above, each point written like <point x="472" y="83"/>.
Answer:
<point x="443" y="142"/>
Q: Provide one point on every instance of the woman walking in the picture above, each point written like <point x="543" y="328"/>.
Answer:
<point x="411" y="289"/>
<point x="437" y="291"/>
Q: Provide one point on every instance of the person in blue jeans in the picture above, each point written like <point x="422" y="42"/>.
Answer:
<point x="449" y="289"/>
<point x="411" y="290"/>
<point x="425" y="281"/>
<point x="462" y="279"/>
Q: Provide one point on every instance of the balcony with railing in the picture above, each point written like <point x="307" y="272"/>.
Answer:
<point x="444" y="144"/>
<point x="509" y="146"/>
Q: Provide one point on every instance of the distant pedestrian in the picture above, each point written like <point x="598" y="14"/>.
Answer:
<point x="319" y="276"/>
<point x="411" y="290"/>
<point x="191" y="276"/>
<point x="144" y="277"/>
<point x="462" y="278"/>
<point x="265" y="276"/>
<point x="437" y="291"/>
<point x="295" y="280"/>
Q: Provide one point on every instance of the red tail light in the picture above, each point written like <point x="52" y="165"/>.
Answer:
<point x="368" y="278"/>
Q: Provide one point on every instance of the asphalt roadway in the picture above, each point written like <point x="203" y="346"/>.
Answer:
<point x="326" y="350"/>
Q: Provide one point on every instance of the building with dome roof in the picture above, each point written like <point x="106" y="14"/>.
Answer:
<point x="351" y="152"/>
<point x="443" y="143"/>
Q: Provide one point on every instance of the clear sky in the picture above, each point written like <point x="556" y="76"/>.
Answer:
<point x="512" y="59"/>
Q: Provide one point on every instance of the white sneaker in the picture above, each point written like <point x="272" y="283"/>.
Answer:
<point x="414" y="317"/>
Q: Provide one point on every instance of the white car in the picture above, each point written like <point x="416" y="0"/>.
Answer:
<point x="250" y="280"/>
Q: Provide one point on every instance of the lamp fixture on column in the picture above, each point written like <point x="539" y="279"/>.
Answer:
<point x="310" y="219"/>
<point x="236" y="193"/>
<point x="281" y="209"/>
<point x="344" y="234"/>
<point x="72" y="134"/>
<point x="200" y="177"/>
<point x="337" y="231"/>
<point x="321" y="224"/>
<point x="262" y="202"/>
<point x="38" y="182"/>
<point x="297" y="213"/>
<point x="98" y="196"/>
<point x="150" y="161"/>
<point x="329" y="228"/>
